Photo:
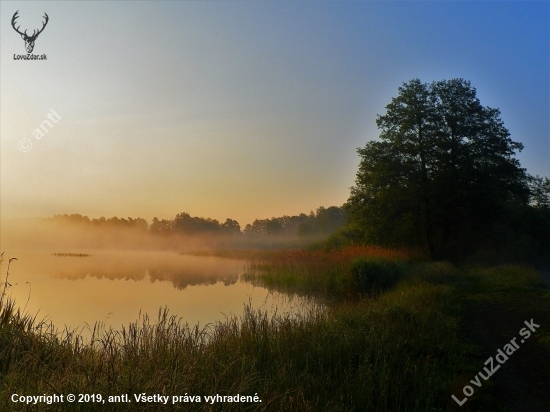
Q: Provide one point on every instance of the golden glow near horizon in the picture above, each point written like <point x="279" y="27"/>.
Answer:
<point x="220" y="110"/>
<point x="198" y="289"/>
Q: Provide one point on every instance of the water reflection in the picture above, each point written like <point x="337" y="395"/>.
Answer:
<point x="114" y="287"/>
<point x="180" y="280"/>
<point x="180" y="270"/>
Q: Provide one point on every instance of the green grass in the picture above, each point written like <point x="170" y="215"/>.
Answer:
<point x="395" y="353"/>
<point x="337" y="275"/>
<point x="396" y="345"/>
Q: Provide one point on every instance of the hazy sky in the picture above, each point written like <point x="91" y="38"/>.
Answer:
<point x="241" y="109"/>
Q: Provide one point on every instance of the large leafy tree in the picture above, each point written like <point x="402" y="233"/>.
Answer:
<point x="442" y="171"/>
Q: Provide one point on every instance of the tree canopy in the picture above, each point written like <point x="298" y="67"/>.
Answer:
<point x="320" y="223"/>
<point x="442" y="173"/>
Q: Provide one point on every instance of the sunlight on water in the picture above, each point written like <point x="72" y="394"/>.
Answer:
<point x="114" y="287"/>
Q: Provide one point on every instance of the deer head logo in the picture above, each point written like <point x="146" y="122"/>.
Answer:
<point x="29" y="40"/>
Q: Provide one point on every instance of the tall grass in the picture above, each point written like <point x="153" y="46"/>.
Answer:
<point x="393" y="352"/>
<point x="339" y="274"/>
<point x="396" y="351"/>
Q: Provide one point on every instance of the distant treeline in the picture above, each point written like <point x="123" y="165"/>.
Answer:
<point x="71" y="254"/>
<point x="322" y="222"/>
<point x="325" y="221"/>
<point x="76" y="218"/>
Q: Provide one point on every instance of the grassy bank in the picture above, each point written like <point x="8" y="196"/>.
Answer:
<point x="397" y="344"/>
<point x="344" y="274"/>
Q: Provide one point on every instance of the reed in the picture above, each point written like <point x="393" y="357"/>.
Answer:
<point x="340" y="274"/>
<point x="401" y="349"/>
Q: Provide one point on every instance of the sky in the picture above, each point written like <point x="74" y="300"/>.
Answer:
<point x="241" y="109"/>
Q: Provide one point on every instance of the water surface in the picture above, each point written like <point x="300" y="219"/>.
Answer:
<point x="114" y="287"/>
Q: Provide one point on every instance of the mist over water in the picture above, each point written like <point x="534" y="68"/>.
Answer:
<point x="114" y="276"/>
<point x="65" y="234"/>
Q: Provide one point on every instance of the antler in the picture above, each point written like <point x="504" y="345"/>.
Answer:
<point x="34" y="33"/>
<point x="34" y="36"/>
<point x="15" y="16"/>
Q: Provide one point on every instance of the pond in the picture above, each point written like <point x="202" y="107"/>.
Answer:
<point x="115" y="287"/>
